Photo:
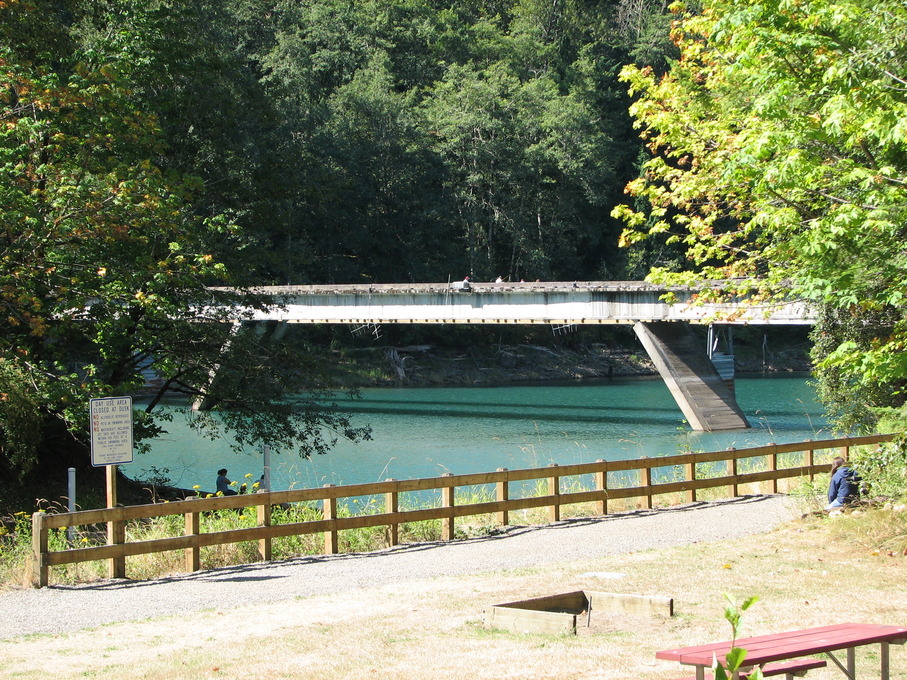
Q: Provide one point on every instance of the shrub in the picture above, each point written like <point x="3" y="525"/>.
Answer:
<point x="884" y="468"/>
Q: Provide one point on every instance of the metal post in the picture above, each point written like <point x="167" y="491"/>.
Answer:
<point x="71" y="531"/>
<point x="267" y="471"/>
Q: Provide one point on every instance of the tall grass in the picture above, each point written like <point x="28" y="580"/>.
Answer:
<point x="879" y="530"/>
<point x="16" y="551"/>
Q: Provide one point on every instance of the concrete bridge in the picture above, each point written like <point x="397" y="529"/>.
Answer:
<point x="580" y="302"/>
<point x="660" y="316"/>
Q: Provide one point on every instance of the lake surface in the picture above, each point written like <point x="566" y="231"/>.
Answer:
<point x="424" y="432"/>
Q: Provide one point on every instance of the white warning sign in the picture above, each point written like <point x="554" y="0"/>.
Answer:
<point x="111" y="431"/>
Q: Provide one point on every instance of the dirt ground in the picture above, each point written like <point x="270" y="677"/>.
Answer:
<point x="803" y="576"/>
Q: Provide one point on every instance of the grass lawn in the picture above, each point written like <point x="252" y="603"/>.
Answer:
<point x="808" y="573"/>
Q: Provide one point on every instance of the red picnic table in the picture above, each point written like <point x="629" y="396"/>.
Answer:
<point x="784" y="647"/>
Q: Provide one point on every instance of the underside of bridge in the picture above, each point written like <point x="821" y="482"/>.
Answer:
<point x="707" y="401"/>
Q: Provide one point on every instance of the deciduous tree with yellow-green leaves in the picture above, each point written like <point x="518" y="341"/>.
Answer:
<point x="105" y="258"/>
<point x="779" y="142"/>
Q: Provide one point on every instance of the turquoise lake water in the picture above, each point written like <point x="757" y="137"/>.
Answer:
<point x="424" y="432"/>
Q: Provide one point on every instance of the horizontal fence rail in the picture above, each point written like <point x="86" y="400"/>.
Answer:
<point x="641" y="479"/>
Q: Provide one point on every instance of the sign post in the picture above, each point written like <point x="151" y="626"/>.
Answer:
<point x="112" y="445"/>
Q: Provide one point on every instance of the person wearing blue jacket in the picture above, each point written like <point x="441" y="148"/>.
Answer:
<point x="844" y="486"/>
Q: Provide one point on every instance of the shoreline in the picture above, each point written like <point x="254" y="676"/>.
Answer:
<point x="431" y="365"/>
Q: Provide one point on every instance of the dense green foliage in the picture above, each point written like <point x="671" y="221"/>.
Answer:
<point x="151" y="149"/>
<point x="396" y="140"/>
<point x="884" y="468"/>
<point x="416" y="140"/>
<point x="781" y="154"/>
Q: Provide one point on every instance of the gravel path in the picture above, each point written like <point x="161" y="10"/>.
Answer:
<point x="69" y="608"/>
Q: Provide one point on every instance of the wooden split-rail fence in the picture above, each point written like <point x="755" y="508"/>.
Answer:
<point x="640" y="479"/>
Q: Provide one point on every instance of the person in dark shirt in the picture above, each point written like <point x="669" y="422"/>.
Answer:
<point x="844" y="486"/>
<point x="223" y="484"/>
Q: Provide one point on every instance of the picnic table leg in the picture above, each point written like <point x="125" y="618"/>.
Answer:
<point x="852" y="662"/>
<point x="883" y="655"/>
<point x="850" y="671"/>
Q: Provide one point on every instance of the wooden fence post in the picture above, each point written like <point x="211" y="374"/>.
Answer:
<point x="554" y="490"/>
<point x="448" y="498"/>
<point x="264" y="520"/>
<point x="732" y="472"/>
<point x="331" y="543"/>
<point x="193" y="528"/>
<point x="39" y="550"/>
<point x="116" y="528"/>
<point x="392" y="507"/>
<point x="502" y="493"/>
<point x="772" y="465"/>
<point x="690" y="476"/>
<point x="601" y="484"/>
<point x="645" y="482"/>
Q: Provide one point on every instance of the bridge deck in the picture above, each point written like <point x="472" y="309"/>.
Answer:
<point x="580" y="302"/>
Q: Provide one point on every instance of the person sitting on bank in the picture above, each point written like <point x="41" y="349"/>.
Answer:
<point x="844" y="486"/>
<point x="223" y="484"/>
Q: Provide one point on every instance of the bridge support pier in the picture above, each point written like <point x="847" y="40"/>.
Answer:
<point x="707" y="402"/>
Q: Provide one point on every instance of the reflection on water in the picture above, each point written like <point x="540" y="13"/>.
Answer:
<point x="423" y="432"/>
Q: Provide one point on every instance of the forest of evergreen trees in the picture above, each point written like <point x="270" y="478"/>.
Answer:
<point x="391" y="140"/>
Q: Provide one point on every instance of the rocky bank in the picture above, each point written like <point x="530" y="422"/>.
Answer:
<point x="426" y="365"/>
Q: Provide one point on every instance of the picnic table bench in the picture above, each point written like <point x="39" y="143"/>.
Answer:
<point x="765" y="651"/>
<point x="789" y="669"/>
